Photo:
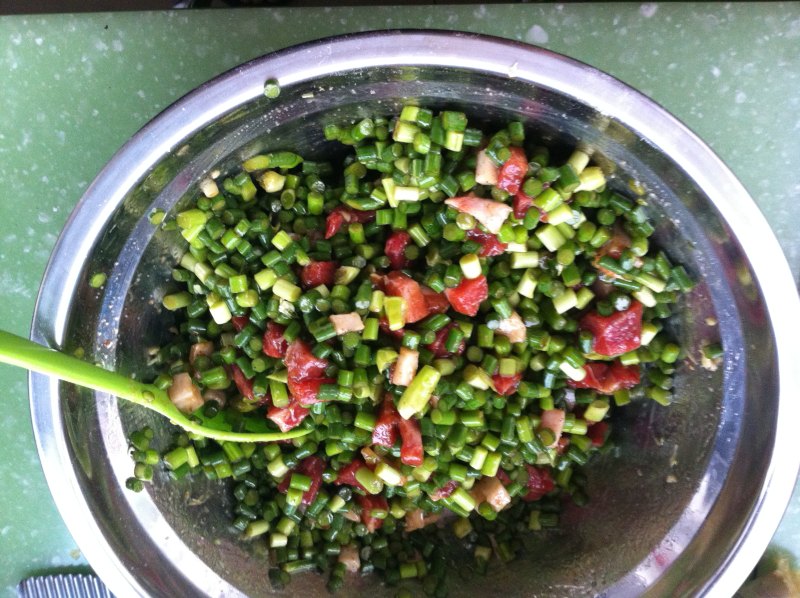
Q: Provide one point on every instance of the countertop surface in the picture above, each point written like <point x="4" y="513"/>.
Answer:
<point x="76" y="87"/>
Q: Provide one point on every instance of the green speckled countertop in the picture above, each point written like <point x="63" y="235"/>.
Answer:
<point x="74" y="88"/>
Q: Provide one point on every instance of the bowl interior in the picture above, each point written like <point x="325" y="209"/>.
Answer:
<point x="665" y="509"/>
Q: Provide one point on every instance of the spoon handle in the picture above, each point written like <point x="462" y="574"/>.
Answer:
<point x="21" y="352"/>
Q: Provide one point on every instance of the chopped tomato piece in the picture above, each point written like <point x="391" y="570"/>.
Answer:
<point x="317" y="273"/>
<point x="306" y="391"/>
<point x="596" y="372"/>
<point x="383" y="324"/>
<point x="503" y="477"/>
<point x="608" y="378"/>
<point x="540" y="483"/>
<point x="490" y="246"/>
<point x="437" y="346"/>
<point x="240" y="322"/>
<point x="301" y="363"/>
<point x="444" y="491"/>
<point x="395" y="249"/>
<point x="368" y="504"/>
<point x="347" y="474"/>
<point x="344" y="214"/>
<point x="437" y="303"/>
<point x="513" y="171"/>
<point x="468" y="295"/>
<point x="400" y="285"/>
<point x="411" y="437"/>
<point x="385" y="431"/>
<point x="506" y="385"/>
<point x="244" y="384"/>
<point x="522" y="203"/>
<point x="273" y="343"/>
<point x="622" y="376"/>
<point x="491" y="214"/>
<point x="333" y="223"/>
<point x="312" y="467"/>
<point x="287" y="417"/>
<point x="597" y="433"/>
<point x="615" y="334"/>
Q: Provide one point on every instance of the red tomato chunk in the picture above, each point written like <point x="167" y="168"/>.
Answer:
<point x="400" y="285"/>
<point x="522" y="203"/>
<point x="312" y="467"/>
<point x="615" y="334"/>
<point x="437" y="346"/>
<point x="506" y="385"/>
<point x="385" y="431"/>
<point x="411" y="437"/>
<point x="344" y="215"/>
<point x="490" y="246"/>
<point x="513" y="171"/>
<point x="395" y="248"/>
<point x="244" y="384"/>
<point x="468" y="295"/>
<point x="273" y="343"/>
<point x="287" y="417"/>
<point x="317" y="273"/>
<point x="368" y="504"/>
<point x="608" y="378"/>
<point x="540" y="483"/>
<point x="436" y="303"/>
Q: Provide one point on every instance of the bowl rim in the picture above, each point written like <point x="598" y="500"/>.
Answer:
<point x="492" y="55"/>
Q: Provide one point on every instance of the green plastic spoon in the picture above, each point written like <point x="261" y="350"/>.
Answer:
<point x="21" y="352"/>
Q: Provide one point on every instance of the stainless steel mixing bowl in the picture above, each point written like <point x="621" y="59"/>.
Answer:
<point x="698" y="488"/>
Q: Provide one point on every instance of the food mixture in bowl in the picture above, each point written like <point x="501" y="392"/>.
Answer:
<point x="451" y="314"/>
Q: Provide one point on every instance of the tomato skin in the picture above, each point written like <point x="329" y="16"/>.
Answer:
<point x="540" y="483"/>
<point x="436" y="303"/>
<point x="240" y="322"/>
<point x="367" y="504"/>
<point x="468" y="295"/>
<point x="312" y="467"/>
<point x="615" y="334"/>
<point x="503" y="477"/>
<point x="306" y="391"/>
<point x="385" y="431"/>
<point x="521" y="204"/>
<point x="317" y="273"/>
<point x="244" y="384"/>
<point x="506" y="385"/>
<point x="383" y="324"/>
<point x="347" y="474"/>
<point x="301" y="363"/>
<point x="513" y="171"/>
<point x="490" y="245"/>
<point x="621" y="377"/>
<point x="273" y="343"/>
<point x="395" y="248"/>
<point x="437" y="346"/>
<point x="288" y="417"/>
<point x="344" y="214"/>
<point x="444" y="491"/>
<point x="411" y="436"/>
<point x="305" y="373"/>
<point x="597" y="433"/>
<point x="333" y="223"/>
<point x="401" y="285"/>
<point x="608" y="378"/>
